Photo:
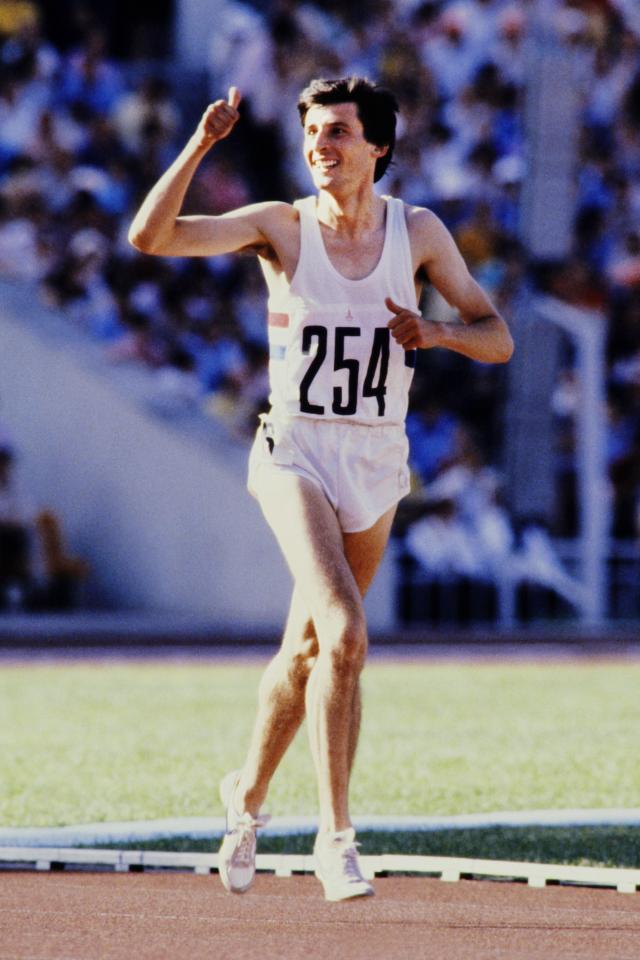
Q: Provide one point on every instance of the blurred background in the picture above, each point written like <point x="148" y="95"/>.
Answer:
<point x="130" y="385"/>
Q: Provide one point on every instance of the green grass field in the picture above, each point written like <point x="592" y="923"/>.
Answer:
<point x="130" y="742"/>
<point x="596" y="846"/>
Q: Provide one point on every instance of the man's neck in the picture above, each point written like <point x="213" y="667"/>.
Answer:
<point x="351" y="214"/>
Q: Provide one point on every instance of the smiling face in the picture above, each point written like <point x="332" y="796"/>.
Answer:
<point x="335" y="149"/>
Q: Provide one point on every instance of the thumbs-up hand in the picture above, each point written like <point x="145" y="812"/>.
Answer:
<point x="219" y="119"/>
<point x="409" y="329"/>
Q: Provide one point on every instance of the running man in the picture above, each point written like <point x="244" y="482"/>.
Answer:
<point x="344" y="270"/>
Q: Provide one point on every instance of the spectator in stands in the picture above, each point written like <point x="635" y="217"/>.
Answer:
<point x="62" y="574"/>
<point x="150" y="105"/>
<point x="431" y="430"/>
<point x="16" y="520"/>
<point x="36" y="571"/>
<point x="24" y="252"/>
<point x="462" y="502"/>
<point x="89" y="78"/>
<point x="78" y="146"/>
<point x="137" y="342"/>
<point x="176" y="388"/>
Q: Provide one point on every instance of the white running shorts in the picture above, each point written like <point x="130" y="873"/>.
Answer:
<point x="361" y="469"/>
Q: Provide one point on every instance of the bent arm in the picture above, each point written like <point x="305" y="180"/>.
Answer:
<point x="204" y="236"/>
<point x="483" y="335"/>
<point x="158" y="228"/>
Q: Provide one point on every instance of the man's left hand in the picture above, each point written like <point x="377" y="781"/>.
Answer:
<point x="411" y="330"/>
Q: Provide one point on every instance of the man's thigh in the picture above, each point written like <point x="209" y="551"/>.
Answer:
<point x="309" y="535"/>
<point x="330" y="568"/>
<point x="364" y="550"/>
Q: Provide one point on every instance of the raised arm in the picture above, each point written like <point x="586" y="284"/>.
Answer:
<point x="483" y="335"/>
<point x="158" y="227"/>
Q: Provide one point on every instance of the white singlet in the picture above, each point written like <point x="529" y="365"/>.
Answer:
<point x="339" y="381"/>
<point x="331" y="352"/>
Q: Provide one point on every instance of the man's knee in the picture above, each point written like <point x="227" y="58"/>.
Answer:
<point x="347" y="644"/>
<point x="301" y="655"/>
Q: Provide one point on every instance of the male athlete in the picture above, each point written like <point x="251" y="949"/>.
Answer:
<point x="344" y="269"/>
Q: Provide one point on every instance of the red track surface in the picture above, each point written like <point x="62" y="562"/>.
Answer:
<point x="162" y="916"/>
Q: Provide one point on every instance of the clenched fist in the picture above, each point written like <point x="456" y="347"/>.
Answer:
<point x="218" y="120"/>
<point x="411" y="330"/>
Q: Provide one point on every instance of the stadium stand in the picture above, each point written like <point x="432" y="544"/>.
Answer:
<point x="83" y="134"/>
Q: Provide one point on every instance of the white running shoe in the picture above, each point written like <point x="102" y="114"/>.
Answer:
<point x="237" y="855"/>
<point x="337" y="866"/>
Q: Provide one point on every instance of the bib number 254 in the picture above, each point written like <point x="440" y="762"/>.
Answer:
<point x="345" y="402"/>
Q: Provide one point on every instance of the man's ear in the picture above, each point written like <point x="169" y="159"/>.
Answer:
<point x="380" y="151"/>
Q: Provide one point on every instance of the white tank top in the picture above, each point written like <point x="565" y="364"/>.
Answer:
<point x="332" y="355"/>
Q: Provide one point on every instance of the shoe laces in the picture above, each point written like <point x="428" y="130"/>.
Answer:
<point x="246" y="827"/>
<point x="350" y="861"/>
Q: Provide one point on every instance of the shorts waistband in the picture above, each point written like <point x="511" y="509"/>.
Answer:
<point x="372" y="429"/>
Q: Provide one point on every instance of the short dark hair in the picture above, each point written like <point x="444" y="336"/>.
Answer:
<point x="377" y="109"/>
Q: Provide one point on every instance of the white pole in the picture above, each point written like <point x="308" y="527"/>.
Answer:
<point x="587" y="330"/>
<point x="592" y="472"/>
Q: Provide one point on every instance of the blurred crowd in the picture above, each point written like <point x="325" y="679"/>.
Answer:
<point x="81" y="143"/>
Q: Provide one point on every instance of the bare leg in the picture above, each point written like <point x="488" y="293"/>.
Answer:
<point x="281" y="702"/>
<point x="324" y="564"/>
<point x="281" y="707"/>
<point x="354" y="731"/>
<point x="363" y="551"/>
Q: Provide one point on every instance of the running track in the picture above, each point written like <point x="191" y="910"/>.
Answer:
<point x="173" y="916"/>
<point x="163" y="916"/>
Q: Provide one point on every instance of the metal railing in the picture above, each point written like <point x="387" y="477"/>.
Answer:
<point x="426" y="598"/>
